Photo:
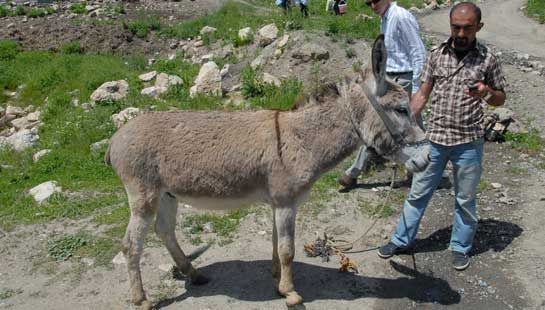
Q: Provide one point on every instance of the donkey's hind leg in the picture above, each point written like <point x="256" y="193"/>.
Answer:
<point x="143" y="205"/>
<point x="165" y="225"/>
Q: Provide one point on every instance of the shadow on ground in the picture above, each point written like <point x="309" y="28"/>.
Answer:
<point x="252" y="281"/>
<point x="491" y="235"/>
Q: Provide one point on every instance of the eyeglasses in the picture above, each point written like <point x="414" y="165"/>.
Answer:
<point x="372" y="2"/>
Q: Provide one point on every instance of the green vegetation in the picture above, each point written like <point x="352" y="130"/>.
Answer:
<point x="377" y="210"/>
<point x="261" y="94"/>
<point x="62" y="248"/>
<point x="19" y="11"/>
<point x="35" y="13"/>
<point x="8" y="49"/>
<point x="6" y="293"/>
<point x="536" y="9"/>
<point x="4" y="11"/>
<point x="527" y="142"/>
<point x="483" y="186"/>
<point x="223" y="225"/>
<point x="72" y="48"/>
<point x="142" y="27"/>
<point x="78" y="8"/>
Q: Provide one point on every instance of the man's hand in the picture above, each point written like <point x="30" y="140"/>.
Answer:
<point x="478" y="90"/>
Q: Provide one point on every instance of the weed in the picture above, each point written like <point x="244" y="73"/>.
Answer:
<point x="62" y="248"/>
<point x="196" y="240"/>
<point x="528" y="142"/>
<point x="483" y="186"/>
<point x="35" y="13"/>
<point x="102" y="250"/>
<point x="224" y="225"/>
<point x="376" y="210"/>
<point x="72" y="48"/>
<point x="536" y="9"/>
<point x="6" y="293"/>
<point x="351" y="52"/>
<point x="142" y="27"/>
<point x="5" y="11"/>
<point x="19" y="11"/>
<point x="516" y="169"/>
<point x="8" y="50"/>
<point x="78" y="8"/>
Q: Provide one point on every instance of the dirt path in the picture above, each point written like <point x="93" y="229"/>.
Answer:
<point x="504" y="25"/>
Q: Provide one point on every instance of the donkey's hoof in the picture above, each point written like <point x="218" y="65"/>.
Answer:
<point x="199" y="279"/>
<point x="293" y="299"/>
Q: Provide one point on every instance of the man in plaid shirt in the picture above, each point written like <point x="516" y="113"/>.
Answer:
<point x="461" y="74"/>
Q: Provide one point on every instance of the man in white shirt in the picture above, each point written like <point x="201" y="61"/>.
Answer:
<point x="406" y="57"/>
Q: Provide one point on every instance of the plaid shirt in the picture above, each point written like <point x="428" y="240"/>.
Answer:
<point x="456" y="117"/>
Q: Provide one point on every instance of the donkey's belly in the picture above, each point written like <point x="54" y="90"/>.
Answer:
<point x="224" y="203"/>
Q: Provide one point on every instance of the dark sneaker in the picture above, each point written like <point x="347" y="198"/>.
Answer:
<point x="460" y="261"/>
<point x="347" y="181"/>
<point x="389" y="250"/>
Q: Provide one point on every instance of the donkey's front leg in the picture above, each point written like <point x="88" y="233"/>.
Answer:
<point x="285" y="229"/>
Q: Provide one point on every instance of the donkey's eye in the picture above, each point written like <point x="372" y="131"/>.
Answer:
<point x="401" y="110"/>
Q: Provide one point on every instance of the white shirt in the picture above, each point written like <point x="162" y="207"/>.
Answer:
<point x="404" y="47"/>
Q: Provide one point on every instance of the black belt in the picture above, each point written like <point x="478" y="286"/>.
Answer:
<point x="399" y="73"/>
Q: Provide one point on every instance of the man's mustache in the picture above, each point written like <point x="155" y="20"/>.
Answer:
<point x="461" y="41"/>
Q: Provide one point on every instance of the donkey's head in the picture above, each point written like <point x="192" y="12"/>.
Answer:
<point x="379" y="109"/>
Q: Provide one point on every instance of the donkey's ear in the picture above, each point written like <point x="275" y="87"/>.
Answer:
<point x="378" y="61"/>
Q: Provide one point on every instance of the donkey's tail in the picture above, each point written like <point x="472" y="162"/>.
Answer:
<point x="107" y="155"/>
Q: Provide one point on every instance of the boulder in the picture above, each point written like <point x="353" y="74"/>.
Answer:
<point x="283" y="41"/>
<point x="267" y="35"/>
<point x="245" y="33"/>
<point x="21" y="139"/>
<point x="97" y="146"/>
<point x="12" y="110"/>
<point x="207" y="30"/>
<point x="271" y="79"/>
<point x="208" y="80"/>
<point x="164" y="81"/>
<point x="122" y="117"/>
<point x="311" y="51"/>
<point x="146" y="77"/>
<point x="38" y="155"/>
<point x="41" y="192"/>
<point x="150" y="91"/>
<point x="113" y="90"/>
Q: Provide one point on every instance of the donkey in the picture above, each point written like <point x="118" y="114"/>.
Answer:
<point x="225" y="160"/>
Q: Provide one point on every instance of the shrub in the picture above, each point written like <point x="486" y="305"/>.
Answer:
<point x="35" y="13"/>
<point x="4" y="11"/>
<point x="63" y="248"/>
<point x="72" y="48"/>
<point x="78" y="8"/>
<point x="20" y="10"/>
<point x="8" y="49"/>
<point x="141" y="28"/>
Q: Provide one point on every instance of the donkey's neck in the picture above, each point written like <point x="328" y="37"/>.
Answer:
<point x="326" y="132"/>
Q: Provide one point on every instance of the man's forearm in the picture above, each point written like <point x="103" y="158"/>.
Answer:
<point x="418" y="102"/>
<point x="497" y="97"/>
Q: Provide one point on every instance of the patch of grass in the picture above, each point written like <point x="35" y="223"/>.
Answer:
<point x="6" y="293"/>
<point x="223" y="225"/>
<point x="196" y="240"/>
<point x="5" y="11"/>
<point x="35" y="13"/>
<point x="142" y="27"/>
<point x="351" y="52"/>
<point x="64" y="247"/>
<point x="78" y="8"/>
<point x="483" y="186"/>
<point x="72" y="48"/>
<point x="268" y="96"/>
<point x="102" y="250"/>
<point x="8" y="50"/>
<point x="19" y="11"/>
<point x="527" y="142"/>
<point x="516" y="169"/>
<point x="376" y="210"/>
<point x="536" y="9"/>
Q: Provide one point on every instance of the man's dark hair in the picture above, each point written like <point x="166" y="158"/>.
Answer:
<point x="471" y="5"/>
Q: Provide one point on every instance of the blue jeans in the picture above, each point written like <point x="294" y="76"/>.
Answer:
<point x="467" y="164"/>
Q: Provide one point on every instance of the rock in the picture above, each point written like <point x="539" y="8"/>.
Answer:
<point x="206" y="30"/>
<point x="40" y="154"/>
<point x="146" y="77"/>
<point x="119" y="259"/>
<point x="258" y="62"/>
<point x="122" y="117"/>
<point x="208" y="80"/>
<point x="113" y="90"/>
<point x="97" y="146"/>
<point x="21" y="140"/>
<point x="165" y="81"/>
<point x="271" y="79"/>
<point x="277" y="53"/>
<point x="88" y="106"/>
<point x="245" y="33"/>
<point x="17" y="111"/>
<point x="198" y="43"/>
<point x="27" y="122"/>
<point x="311" y="51"/>
<point x="226" y="51"/>
<point x="88" y="261"/>
<point x="166" y="267"/>
<point x="43" y="191"/>
<point x="267" y="34"/>
<point x="150" y="91"/>
<point x="206" y="58"/>
<point x="261" y="232"/>
<point x="432" y="5"/>
<point x="283" y="41"/>
<point x="364" y="17"/>
<point x="503" y="114"/>
<point x="496" y="185"/>
<point x="224" y="70"/>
